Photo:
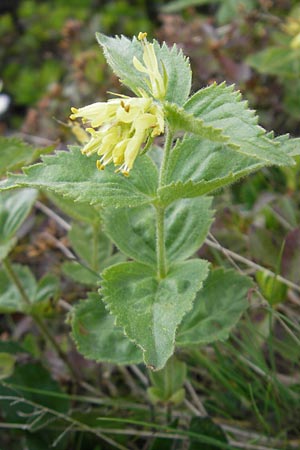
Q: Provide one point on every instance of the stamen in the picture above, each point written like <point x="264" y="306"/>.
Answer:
<point x="99" y="165"/>
<point x="125" y="107"/>
<point x="142" y="36"/>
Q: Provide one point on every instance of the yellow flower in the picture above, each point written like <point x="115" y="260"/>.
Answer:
<point x="295" y="43"/>
<point x="292" y="27"/>
<point x="120" y="127"/>
<point x="158" y="84"/>
<point x="124" y="124"/>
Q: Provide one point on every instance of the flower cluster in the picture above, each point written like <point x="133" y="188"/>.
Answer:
<point x="119" y="127"/>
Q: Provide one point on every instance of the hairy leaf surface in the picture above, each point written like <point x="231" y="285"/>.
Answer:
<point x="217" y="308"/>
<point x="197" y="166"/>
<point x="76" y="176"/>
<point x="221" y="107"/>
<point x="187" y="222"/>
<point x="97" y="337"/>
<point x="119" y="53"/>
<point x="149" y="309"/>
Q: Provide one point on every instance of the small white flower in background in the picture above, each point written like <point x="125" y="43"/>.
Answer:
<point x="119" y="127"/>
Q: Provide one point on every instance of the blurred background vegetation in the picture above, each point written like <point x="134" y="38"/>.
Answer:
<point x="250" y="385"/>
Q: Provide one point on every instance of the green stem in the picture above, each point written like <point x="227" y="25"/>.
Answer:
<point x="14" y="277"/>
<point x="160" y="243"/>
<point x="38" y="321"/>
<point x="167" y="150"/>
<point x="160" y="211"/>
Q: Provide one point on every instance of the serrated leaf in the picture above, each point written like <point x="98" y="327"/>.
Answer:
<point x="119" y="53"/>
<point x="221" y="107"/>
<point x="178" y="71"/>
<point x="150" y="309"/>
<point x="15" y="153"/>
<point x="186" y="226"/>
<point x="14" y="208"/>
<point x="198" y="167"/>
<point x="180" y="120"/>
<point x="39" y="294"/>
<point x="289" y="145"/>
<point x="217" y="308"/>
<point x="97" y="337"/>
<point x="75" y="176"/>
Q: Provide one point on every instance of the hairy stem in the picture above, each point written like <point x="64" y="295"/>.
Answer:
<point x="160" y="211"/>
<point x="167" y="150"/>
<point x="38" y="320"/>
<point x="160" y="243"/>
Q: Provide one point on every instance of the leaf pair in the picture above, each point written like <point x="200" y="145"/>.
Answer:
<point x="216" y="309"/>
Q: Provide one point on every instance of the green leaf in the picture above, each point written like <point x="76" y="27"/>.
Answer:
<point x="288" y="145"/>
<point x="178" y="72"/>
<point x="91" y="245"/>
<point x="39" y="294"/>
<point x="119" y="53"/>
<point x="273" y="290"/>
<point x="75" y="176"/>
<point x="280" y="61"/>
<point x="221" y="107"/>
<point x="231" y="9"/>
<point x="150" y="309"/>
<point x="186" y="226"/>
<point x="180" y="120"/>
<point x="97" y="337"/>
<point x="14" y="209"/>
<point x="80" y="274"/>
<point x="48" y="287"/>
<point x="7" y="363"/>
<point x="15" y="154"/>
<point x="197" y="167"/>
<point x="78" y="211"/>
<point x="95" y="251"/>
<point x="167" y="384"/>
<point x="217" y="308"/>
<point x="133" y="231"/>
